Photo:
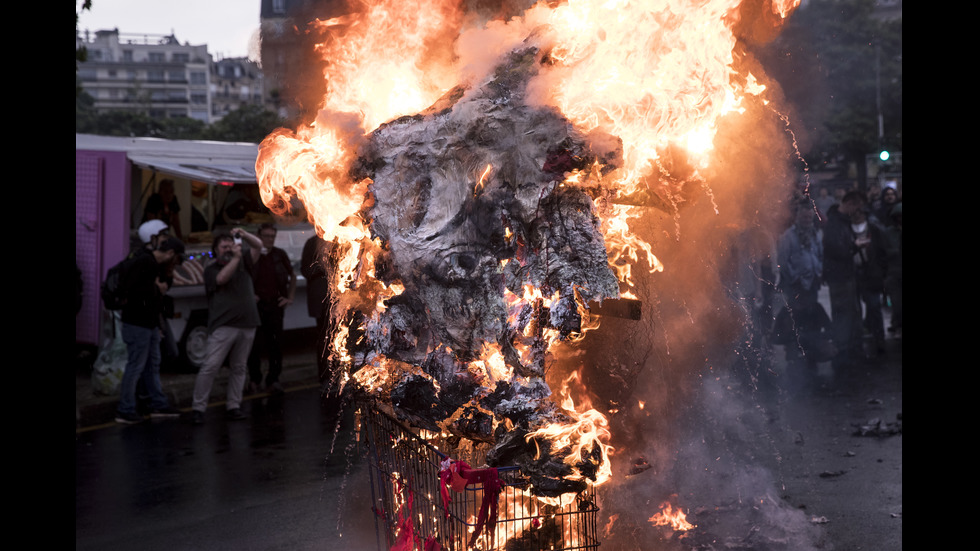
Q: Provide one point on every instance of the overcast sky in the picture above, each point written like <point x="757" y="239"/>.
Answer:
<point x="226" y="26"/>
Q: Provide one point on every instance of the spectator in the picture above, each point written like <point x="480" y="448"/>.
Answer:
<point x="232" y="319"/>
<point x="888" y="200"/>
<point x="823" y="202"/>
<point x="314" y="265"/>
<point x="869" y="269"/>
<point x="150" y="234"/>
<point x="275" y="288"/>
<point x="144" y="284"/>
<point x="839" y="274"/>
<point x="163" y="205"/>
<point x="874" y="196"/>
<point x="800" y="253"/>
<point x="893" y="268"/>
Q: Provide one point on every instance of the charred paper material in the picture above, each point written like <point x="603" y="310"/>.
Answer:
<point x="470" y="207"/>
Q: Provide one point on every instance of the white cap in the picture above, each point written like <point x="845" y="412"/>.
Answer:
<point x="150" y="228"/>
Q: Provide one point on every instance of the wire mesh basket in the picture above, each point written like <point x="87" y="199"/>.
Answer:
<point x="410" y="513"/>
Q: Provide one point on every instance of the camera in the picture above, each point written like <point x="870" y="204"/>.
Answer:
<point x="238" y="240"/>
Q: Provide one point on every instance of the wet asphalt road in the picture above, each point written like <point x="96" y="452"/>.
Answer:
<point x="290" y="476"/>
<point x="784" y="469"/>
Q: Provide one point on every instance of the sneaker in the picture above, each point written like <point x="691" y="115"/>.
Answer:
<point x="129" y="418"/>
<point x="235" y="414"/>
<point x="165" y="413"/>
<point x="197" y="417"/>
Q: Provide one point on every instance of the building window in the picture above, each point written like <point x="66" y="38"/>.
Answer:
<point x="155" y="76"/>
<point x="279" y="6"/>
<point x="199" y="99"/>
<point x="157" y="57"/>
<point x="176" y="76"/>
<point x="181" y="58"/>
<point x="198" y="77"/>
<point x="128" y="56"/>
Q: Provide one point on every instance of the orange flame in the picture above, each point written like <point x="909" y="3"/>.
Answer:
<point x="584" y="437"/>
<point x="676" y="520"/>
<point x="650" y="75"/>
<point x="387" y="61"/>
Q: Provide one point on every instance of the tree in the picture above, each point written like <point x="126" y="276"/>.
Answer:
<point x="81" y="54"/>
<point x="832" y="60"/>
<point x="183" y="128"/>
<point x="248" y="123"/>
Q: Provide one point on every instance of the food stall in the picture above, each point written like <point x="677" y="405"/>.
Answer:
<point x="215" y="187"/>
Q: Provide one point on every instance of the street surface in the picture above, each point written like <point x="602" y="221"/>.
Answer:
<point x="289" y="477"/>
<point x="814" y="464"/>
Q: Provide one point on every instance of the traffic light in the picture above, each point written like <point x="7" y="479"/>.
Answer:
<point x="884" y="155"/>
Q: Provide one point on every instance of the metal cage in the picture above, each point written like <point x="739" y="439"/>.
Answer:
<point x="409" y="513"/>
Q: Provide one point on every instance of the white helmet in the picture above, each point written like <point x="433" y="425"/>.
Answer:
<point x="150" y="228"/>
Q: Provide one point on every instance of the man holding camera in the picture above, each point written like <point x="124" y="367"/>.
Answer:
<point x="232" y="319"/>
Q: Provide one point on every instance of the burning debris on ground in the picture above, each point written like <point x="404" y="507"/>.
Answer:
<point x="639" y="465"/>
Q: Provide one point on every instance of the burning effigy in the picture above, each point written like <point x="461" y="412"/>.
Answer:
<point x="478" y="175"/>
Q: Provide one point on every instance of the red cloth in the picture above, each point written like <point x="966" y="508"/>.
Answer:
<point x="406" y="530"/>
<point x="453" y="473"/>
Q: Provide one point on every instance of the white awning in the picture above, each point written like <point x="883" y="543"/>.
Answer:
<point x="205" y="161"/>
<point x="212" y="170"/>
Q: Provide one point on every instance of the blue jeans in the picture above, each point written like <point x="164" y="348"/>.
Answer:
<point x="143" y="363"/>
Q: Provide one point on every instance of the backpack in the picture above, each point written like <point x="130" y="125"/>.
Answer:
<point x="113" y="296"/>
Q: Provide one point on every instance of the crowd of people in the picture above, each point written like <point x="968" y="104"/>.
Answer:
<point x="849" y="240"/>
<point x="853" y="245"/>
<point x="845" y="242"/>
<point x="248" y="285"/>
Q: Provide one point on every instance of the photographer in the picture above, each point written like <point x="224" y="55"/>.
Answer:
<point x="232" y="319"/>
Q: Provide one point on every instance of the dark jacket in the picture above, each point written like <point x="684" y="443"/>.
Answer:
<point x="838" y="247"/>
<point x="839" y="252"/>
<point x="870" y="273"/>
<point x="313" y="266"/>
<point x="144" y="301"/>
<point x="271" y="275"/>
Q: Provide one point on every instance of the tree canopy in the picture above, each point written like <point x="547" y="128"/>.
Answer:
<point x="249" y="123"/>
<point x="840" y="66"/>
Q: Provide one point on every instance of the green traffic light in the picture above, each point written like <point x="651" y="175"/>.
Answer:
<point x="884" y="155"/>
